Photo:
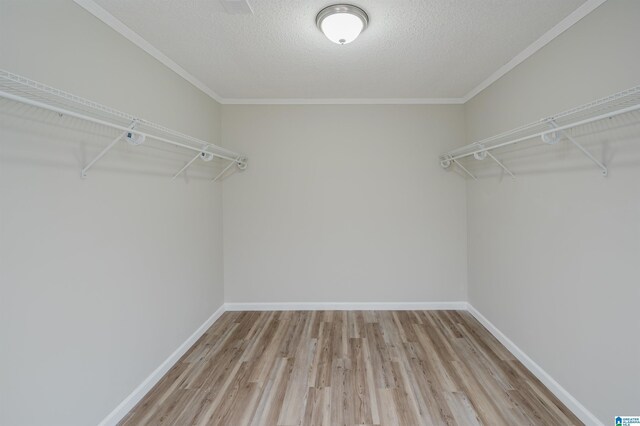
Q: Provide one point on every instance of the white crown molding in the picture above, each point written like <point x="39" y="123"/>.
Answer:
<point x="582" y="11"/>
<point x="347" y="306"/>
<point x="344" y="101"/>
<point x="561" y="393"/>
<point x="100" y="13"/>
<point x="138" y="393"/>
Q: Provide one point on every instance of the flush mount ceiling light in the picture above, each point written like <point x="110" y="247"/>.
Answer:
<point x="342" y="23"/>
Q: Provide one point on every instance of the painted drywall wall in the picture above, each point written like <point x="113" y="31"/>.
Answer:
<point x="101" y="279"/>
<point x="554" y="255"/>
<point x="344" y="203"/>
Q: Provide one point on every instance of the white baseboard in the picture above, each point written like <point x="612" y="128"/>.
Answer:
<point x="130" y="401"/>
<point x="347" y="306"/>
<point x="561" y="393"/>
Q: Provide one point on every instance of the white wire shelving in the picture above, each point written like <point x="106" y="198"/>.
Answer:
<point x="133" y="129"/>
<point x="550" y="130"/>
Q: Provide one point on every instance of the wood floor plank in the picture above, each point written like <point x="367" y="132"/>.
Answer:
<point x="358" y="386"/>
<point x="381" y="360"/>
<point x="349" y="368"/>
<point x="462" y="409"/>
<point x="272" y="397"/>
<point x="428" y="395"/>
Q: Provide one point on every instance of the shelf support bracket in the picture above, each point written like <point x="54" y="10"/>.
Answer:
<point x="186" y="166"/>
<point x="83" y="173"/>
<point x="500" y="164"/>
<point x="219" y="175"/>
<point x="204" y="154"/>
<point x="463" y="168"/>
<point x="602" y="167"/>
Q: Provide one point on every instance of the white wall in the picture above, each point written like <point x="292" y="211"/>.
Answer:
<point x="344" y="203"/>
<point x="554" y="256"/>
<point x="100" y="279"/>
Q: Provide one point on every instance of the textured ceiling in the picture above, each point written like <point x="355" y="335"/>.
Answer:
<point x="411" y="49"/>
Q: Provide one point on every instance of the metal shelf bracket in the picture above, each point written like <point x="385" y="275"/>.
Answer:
<point x="236" y="161"/>
<point x="481" y="155"/>
<point x="464" y="168"/>
<point x="84" y="171"/>
<point x="602" y="167"/>
<point x="206" y="156"/>
<point x="448" y="161"/>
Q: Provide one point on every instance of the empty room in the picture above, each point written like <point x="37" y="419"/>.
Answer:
<point x="279" y="213"/>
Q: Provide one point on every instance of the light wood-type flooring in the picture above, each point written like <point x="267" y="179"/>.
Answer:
<point x="349" y="368"/>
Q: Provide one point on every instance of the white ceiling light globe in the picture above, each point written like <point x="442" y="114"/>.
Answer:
<point x="342" y="23"/>
<point x="342" y="28"/>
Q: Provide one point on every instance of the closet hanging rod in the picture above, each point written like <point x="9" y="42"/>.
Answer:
<point x="551" y="130"/>
<point x="29" y="92"/>
<point x="545" y="132"/>
<point x="106" y="123"/>
<point x="631" y="95"/>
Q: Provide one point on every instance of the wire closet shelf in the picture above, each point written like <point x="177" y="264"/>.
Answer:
<point x="550" y="130"/>
<point x="133" y="129"/>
